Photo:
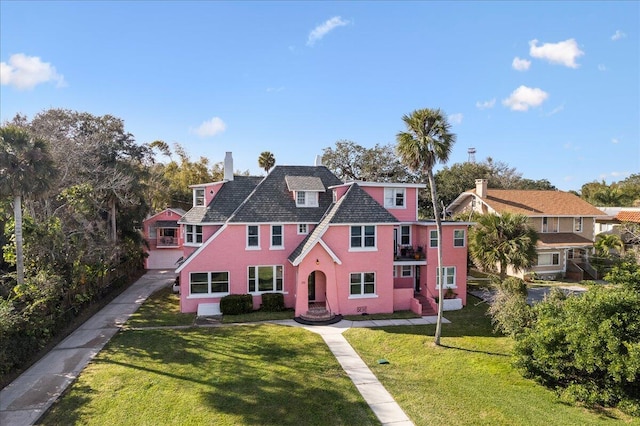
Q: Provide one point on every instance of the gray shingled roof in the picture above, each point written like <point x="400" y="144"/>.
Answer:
<point x="226" y="201"/>
<point x="355" y="206"/>
<point x="304" y="183"/>
<point x="359" y="207"/>
<point x="271" y="201"/>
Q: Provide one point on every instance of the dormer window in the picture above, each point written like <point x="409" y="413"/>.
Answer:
<point x="305" y="189"/>
<point x="198" y="197"/>
<point x="394" y="198"/>
<point x="306" y="199"/>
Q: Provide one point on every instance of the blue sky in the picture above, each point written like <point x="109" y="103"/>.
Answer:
<point x="550" y="88"/>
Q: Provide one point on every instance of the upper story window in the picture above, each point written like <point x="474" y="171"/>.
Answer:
<point x="550" y="224"/>
<point x="363" y="237"/>
<point x="405" y="235"/>
<point x="306" y="199"/>
<point x="335" y="196"/>
<point x="303" y="229"/>
<point x="193" y="234"/>
<point x="394" y="198"/>
<point x="577" y="224"/>
<point x="198" y="197"/>
<point x="458" y="238"/>
<point x="433" y="238"/>
<point x="277" y="237"/>
<point x="253" y="236"/>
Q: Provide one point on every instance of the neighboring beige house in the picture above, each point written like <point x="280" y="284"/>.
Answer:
<point x="564" y="222"/>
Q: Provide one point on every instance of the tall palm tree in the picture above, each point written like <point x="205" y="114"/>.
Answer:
<point x="25" y="168"/>
<point x="266" y="161"/>
<point x="428" y="140"/>
<point x="499" y="241"/>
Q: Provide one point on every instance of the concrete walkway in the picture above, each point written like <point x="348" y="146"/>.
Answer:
<point x="24" y="400"/>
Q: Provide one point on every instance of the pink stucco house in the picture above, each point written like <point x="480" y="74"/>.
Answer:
<point x="163" y="239"/>
<point x="346" y="247"/>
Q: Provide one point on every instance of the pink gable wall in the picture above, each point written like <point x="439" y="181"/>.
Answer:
<point x="407" y="214"/>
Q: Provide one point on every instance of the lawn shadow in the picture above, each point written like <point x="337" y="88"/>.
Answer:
<point x="68" y="406"/>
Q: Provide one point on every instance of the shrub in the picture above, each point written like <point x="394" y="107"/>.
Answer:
<point x="586" y="347"/>
<point x="272" y="302"/>
<point x="509" y="311"/>
<point x="235" y="304"/>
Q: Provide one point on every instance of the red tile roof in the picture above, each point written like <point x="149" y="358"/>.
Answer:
<point x="628" y="216"/>
<point x="539" y="203"/>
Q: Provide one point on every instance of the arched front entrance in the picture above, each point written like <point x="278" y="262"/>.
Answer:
<point x="317" y="282"/>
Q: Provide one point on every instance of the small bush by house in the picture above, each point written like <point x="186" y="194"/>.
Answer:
<point x="235" y="304"/>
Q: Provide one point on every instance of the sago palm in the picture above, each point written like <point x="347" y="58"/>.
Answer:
<point x="499" y="241"/>
<point x="427" y="141"/>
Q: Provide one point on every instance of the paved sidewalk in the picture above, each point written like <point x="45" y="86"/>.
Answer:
<point x="23" y="401"/>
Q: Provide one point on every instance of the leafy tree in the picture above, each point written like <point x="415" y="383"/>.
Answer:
<point x="499" y="241"/>
<point x="428" y="140"/>
<point x="350" y="161"/>
<point x="266" y="161"/>
<point x="510" y="313"/>
<point x="25" y="168"/>
<point x="586" y="347"/>
<point x="625" y="273"/>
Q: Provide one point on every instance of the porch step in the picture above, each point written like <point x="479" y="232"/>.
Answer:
<point x="427" y="309"/>
<point x="317" y="313"/>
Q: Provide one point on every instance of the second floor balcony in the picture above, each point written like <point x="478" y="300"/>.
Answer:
<point x="414" y="255"/>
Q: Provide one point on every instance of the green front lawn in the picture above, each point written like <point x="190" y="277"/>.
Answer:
<point x="245" y="375"/>
<point x="469" y="380"/>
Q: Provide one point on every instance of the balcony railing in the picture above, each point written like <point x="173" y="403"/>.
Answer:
<point x="409" y="253"/>
<point x="167" y="242"/>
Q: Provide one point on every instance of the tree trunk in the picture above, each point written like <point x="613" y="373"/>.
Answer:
<point x="114" y="233"/>
<point x="17" y="215"/>
<point x="436" y="212"/>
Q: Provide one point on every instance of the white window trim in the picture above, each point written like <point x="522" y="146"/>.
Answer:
<point x="194" y="234"/>
<point x="306" y="225"/>
<point x="402" y="269"/>
<point x="257" y="284"/>
<point x="394" y="192"/>
<point x="431" y="239"/>
<point x="364" y="295"/>
<point x="410" y="236"/>
<point x="281" y="246"/>
<point x="209" y="295"/>
<point x="195" y="197"/>
<point x="362" y="238"/>
<point x="248" y="247"/>
<point x="464" y="238"/>
<point x="455" y="273"/>
<point x="551" y="220"/>
<point x="310" y="198"/>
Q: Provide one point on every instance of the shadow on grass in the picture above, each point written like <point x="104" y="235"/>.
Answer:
<point x="474" y="351"/>
<point x="77" y="399"/>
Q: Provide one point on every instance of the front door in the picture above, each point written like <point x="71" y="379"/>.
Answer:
<point x="312" y="286"/>
<point x="417" y="284"/>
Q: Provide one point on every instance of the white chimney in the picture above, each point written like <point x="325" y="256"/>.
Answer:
<point x="228" y="166"/>
<point x="318" y="161"/>
<point x="481" y="188"/>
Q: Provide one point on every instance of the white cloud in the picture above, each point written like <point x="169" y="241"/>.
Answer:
<point x="524" y="98"/>
<point x="325" y="28"/>
<point x="520" y="64"/>
<point x="486" y="104"/>
<point x="602" y="67"/>
<point x="556" y="110"/>
<point x="615" y="141"/>
<point x="210" y="128"/>
<point x="618" y="35"/>
<point x="563" y="53"/>
<point x="456" y="118"/>
<point x="26" y="72"/>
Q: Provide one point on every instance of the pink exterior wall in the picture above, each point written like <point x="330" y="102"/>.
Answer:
<point x="228" y="252"/>
<point x="407" y="214"/>
<point x="402" y="299"/>
<point x="163" y="255"/>
<point x="163" y="215"/>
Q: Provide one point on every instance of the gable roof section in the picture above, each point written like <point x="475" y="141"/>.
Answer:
<point x="535" y="202"/>
<point x="356" y="206"/>
<point x="177" y="210"/>
<point x="271" y="201"/>
<point x="230" y="195"/>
